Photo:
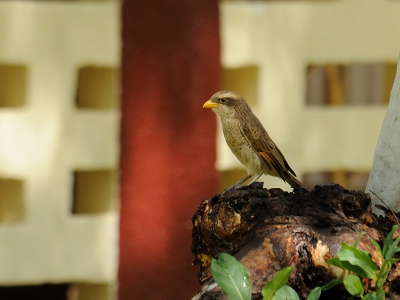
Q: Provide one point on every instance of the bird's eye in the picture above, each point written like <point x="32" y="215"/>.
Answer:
<point x="222" y="100"/>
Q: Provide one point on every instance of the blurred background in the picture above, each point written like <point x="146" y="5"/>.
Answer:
<point x="106" y="152"/>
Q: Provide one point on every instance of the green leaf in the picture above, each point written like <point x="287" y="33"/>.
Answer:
<point x="359" y="271"/>
<point x="357" y="261"/>
<point x="358" y="239"/>
<point x="331" y="284"/>
<point x="388" y="241"/>
<point x="382" y="277"/>
<point x="232" y="277"/>
<point x="280" y="279"/>
<point x="286" y="293"/>
<point x="353" y="285"/>
<point x="370" y="296"/>
<point x="315" y="293"/>
<point x="392" y="261"/>
<point x="336" y="262"/>
<point x="376" y="245"/>
<point x="380" y="294"/>
<point x="392" y="249"/>
<point x="385" y="269"/>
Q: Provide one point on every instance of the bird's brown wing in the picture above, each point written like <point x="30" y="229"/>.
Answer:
<point x="259" y="139"/>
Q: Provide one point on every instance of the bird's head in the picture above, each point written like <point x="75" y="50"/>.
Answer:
<point x="224" y="102"/>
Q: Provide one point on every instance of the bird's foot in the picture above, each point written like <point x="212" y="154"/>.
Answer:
<point x="256" y="184"/>
<point x="233" y="186"/>
<point x="328" y="184"/>
<point x="240" y="183"/>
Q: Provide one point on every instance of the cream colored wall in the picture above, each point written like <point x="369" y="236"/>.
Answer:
<point x="281" y="38"/>
<point x="46" y="139"/>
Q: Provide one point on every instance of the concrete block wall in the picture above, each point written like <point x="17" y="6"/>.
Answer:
<point x="59" y="144"/>
<point x="266" y="49"/>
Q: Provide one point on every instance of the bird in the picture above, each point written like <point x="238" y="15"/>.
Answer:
<point x="248" y="140"/>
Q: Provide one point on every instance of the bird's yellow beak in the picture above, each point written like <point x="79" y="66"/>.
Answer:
<point x="210" y="104"/>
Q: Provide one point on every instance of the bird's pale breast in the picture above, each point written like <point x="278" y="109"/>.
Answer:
<point x="240" y="146"/>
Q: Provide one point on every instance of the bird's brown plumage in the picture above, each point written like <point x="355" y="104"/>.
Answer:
<point x="248" y="139"/>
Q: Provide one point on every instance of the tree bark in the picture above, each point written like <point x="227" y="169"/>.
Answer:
<point x="267" y="230"/>
<point x="384" y="180"/>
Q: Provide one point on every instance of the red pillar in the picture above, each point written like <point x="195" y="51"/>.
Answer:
<point x="170" y="67"/>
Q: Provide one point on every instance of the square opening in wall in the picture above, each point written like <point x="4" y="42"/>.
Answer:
<point x="92" y="0"/>
<point x="243" y="80"/>
<point x="348" y="179"/>
<point x="94" y="191"/>
<point x="13" y="82"/>
<point x="229" y="177"/>
<point x="89" y="291"/>
<point x="97" y="88"/>
<point x="42" y="292"/>
<point x="340" y="84"/>
<point x="11" y="200"/>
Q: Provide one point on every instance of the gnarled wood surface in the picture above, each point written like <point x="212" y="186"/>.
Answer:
<point x="267" y="230"/>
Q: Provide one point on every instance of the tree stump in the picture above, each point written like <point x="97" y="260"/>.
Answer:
<point x="267" y="230"/>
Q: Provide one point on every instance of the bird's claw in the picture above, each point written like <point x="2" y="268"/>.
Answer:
<point x="233" y="186"/>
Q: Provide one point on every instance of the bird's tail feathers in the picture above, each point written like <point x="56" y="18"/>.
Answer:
<point x="293" y="181"/>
